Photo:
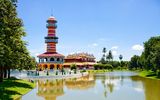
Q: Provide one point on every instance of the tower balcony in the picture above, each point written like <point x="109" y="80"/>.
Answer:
<point x="51" y="40"/>
<point x="51" y="60"/>
<point x="51" y="37"/>
<point x="51" y="25"/>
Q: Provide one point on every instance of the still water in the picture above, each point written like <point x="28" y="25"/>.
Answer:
<point x="107" y="86"/>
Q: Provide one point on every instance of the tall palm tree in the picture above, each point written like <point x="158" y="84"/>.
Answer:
<point x="104" y="50"/>
<point x="120" y="57"/>
<point x="109" y="56"/>
<point x="104" y="55"/>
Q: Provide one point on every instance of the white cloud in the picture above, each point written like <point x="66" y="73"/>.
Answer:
<point x="137" y="47"/>
<point x="114" y="53"/>
<point x="114" y="47"/>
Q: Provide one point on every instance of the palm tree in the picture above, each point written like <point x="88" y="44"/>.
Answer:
<point x="104" y="50"/>
<point x="120" y="58"/>
<point x="109" y="56"/>
<point x="104" y="55"/>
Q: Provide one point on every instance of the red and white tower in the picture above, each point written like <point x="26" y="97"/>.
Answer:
<point x="51" y="59"/>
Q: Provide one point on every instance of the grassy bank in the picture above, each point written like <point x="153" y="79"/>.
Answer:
<point x="103" y="71"/>
<point x="97" y="71"/>
<point x="148" y="74"/>
<point x="11" y="89"/>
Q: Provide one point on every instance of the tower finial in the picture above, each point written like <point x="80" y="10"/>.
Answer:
<point x="51" y="12"/>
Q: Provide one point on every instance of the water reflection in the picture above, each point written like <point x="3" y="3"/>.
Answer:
<point x="110" y="86"/>
<point x="51" y="89"/>
<point x="151" y="87"/>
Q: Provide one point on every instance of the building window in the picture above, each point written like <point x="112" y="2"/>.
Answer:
<point x="52" y="59"/>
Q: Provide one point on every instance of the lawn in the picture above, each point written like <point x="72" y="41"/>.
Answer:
<point x="148" y="74"/>
<point x="97" y="71"/>
<point x="11" y="89"/>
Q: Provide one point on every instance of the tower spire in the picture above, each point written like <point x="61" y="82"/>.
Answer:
<point x="51" y="12"/>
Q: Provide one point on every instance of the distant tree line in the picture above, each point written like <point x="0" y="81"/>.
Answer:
<point x="148" y="60"/>
<point x="13" y="51"/>
<point x="107" y="61"/>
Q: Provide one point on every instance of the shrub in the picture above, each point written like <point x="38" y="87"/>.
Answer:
<point x="73" y="66"/>
<point x="103" y="66"/>
<point x="47" y="73"/>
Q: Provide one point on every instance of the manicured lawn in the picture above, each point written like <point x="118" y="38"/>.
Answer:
<point x="97" y="71"/>
<point x="102" y="71"/>
<point x="148" y="74"/>
<point x="11" y="89"/>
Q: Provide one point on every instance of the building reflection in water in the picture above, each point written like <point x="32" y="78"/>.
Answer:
<point x="82" y="83"/>
<point x="51" y="89"/>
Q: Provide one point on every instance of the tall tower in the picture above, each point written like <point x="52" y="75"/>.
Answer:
<point x="51" y="59"/>
<point x="51" y="38"/>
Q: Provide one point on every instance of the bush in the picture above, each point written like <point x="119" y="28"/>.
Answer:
<point x="108" y="66"/>
<point x="73" y="66"/>
<point x="96" y="66"/>
<point x="103" y="66"/>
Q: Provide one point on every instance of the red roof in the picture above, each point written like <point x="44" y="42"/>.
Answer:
<point x="50" y="54"/>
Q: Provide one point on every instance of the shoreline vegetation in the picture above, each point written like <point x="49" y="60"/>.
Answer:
<point x="142" y="73"/>
<point x="148" y="74"/>
<point x="13" y="89"/>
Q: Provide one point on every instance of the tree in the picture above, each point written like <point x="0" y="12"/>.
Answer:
<point x="109" y="56"/>
<point x="134" y="62"/>
<point x="104" y="50"/>
<point x="103" y="61"/>
<point x="151" y="53"/>
<point x="14" y="52"/>
<point x="120" y="57"/>
<point x="74" y="67"/>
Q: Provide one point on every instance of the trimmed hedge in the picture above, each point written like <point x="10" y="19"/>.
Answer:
<point x="103" y="66"/>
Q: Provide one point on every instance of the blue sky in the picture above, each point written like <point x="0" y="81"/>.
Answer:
<point x="89" y="25"/>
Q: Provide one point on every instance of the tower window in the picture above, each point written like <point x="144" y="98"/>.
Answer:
<point x="58" y="59"/>
<point x="52" y="59"/>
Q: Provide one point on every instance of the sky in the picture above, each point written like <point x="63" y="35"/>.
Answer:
<point x="89" y="25"/>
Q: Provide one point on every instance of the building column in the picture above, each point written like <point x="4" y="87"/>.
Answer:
<point x="60" y="66"/>
<point x="55" y="67"/>
<point x="48" y="66"/>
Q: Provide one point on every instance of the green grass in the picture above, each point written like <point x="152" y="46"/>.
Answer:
<point x="11" y="89"/>
<point x="103" y="71"/>
<point x="148" y="74"/>
<point x="97" y="71"/>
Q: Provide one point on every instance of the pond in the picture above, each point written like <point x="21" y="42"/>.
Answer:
<point x="107" y="86"/>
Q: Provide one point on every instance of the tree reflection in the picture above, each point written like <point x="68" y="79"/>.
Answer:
<point x="151" y="87"/>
